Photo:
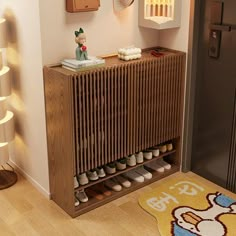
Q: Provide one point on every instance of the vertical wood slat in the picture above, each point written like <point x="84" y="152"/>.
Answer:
<point x="161" y="101"/>
<point x="84" y="124"/>
<point x="145" y="86"/>
<point x="146" y="103"/>
<point x="95" y="115"/>
<point x="175" y="95"/>
<point x="130" y="112"/>
<point x="105" y="117"/>
<point x="122" y="111"/>
<point x="167" y="99"/>
<point x="139" y="112"/>
<point x="80" y="127"/>
<point x="165" y="116"/>
<point x="98" y="119"/>
<point x="115" y="103"/>
<point x="151" y="125"/>
<point x="175" y="70"/>
<point x="155" y="96"/>
<point x="135" y="130"/>
<point x="143" y="107"/>
<point x="91" y="121"/>
<point x="179" y="89"/>
<point x="126" y="134"/>
<point x="149" y="118"/>
<point x="101" y="160"/>
<point x="76" y="121"/>
<point x="109" y="114"/>
<point x="135" y="127"/>
<point x="87" y="120"/>
<point x="171" y="108"/>
<point x="125" y="109"/>
<point x="133" y="109"/>
<point x="112" y="115"/>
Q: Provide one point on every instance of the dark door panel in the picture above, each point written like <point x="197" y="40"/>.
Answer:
<point x="215" y="95"/>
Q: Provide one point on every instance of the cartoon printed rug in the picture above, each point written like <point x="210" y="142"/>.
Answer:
<point x="186" y="207"/>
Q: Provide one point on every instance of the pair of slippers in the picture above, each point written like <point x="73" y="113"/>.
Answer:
<point x="139" y="174"/>
<point x="159" y="165"/>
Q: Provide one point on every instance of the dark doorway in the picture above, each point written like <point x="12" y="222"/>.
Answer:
<point x="213" y="137"/>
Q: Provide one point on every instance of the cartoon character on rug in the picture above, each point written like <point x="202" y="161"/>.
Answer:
<point x="190" y="221"/>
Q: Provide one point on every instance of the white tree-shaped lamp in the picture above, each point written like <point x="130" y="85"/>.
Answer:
<point x="7" y="176"/>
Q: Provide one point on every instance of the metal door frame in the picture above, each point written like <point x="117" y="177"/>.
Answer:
<point x="190" y="84"/>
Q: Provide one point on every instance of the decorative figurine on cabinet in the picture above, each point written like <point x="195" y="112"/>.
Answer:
<point x="81" y="51"/>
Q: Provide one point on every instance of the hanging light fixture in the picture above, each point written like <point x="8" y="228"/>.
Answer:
<point x="120" y="5"/>
<point x="160" y="14"/>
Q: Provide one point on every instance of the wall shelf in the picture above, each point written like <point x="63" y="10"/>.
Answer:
<point x="160" y="14"/>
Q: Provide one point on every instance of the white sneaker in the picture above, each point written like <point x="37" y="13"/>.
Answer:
<point x="169" y="147"/>
<point x="139" y="157"/>
<point x="100" y="172"/>
<point x="92" y="175"/>
<point x="81" y="196"/>
<point x="134" y="176"/>
<point x="155" y="151"/>
<point x="76" y="202"/>
<point x="76" y="184"/>
<point x="147" y="155"/>
<point x="164" y="164"/>
<point x="146" y="174"/>
<point x="113" y="185"/>
<point x="121" y="164"/>
<point x="162" y="148"/>
<point x="123" y="181"/>
<point x="83" y="179"/>
<point x="155" y="166"/>
<point x="110" y="168"/>
<point x="131" y="160"/>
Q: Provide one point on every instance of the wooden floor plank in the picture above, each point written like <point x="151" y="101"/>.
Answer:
<point x="25" y="211"/>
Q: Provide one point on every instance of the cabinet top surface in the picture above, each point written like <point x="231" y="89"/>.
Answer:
<point x="147" y="54"/>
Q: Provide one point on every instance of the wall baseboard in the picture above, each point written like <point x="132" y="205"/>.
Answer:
<point x="31" y="180"/>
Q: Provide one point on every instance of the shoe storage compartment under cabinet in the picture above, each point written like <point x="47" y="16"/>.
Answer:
<point x="101" y="115"/>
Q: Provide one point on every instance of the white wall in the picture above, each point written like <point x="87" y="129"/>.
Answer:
<point x="42" y="32"/>
<point x="29" y="150"/>
<point x="105" y="30"/>
<point x="177" y="38"/>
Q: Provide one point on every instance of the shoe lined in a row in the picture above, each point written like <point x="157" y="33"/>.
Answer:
<point x="139" y="174"/>
<point x="120" y="164"/>
<point x="117" y="183"/>
<point x="80" y="197"/>
<point x="92" y="175"/>
<point x="159" y="165"/>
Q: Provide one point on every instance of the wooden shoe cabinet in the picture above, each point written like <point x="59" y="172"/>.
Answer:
<point x="101" y="115"/>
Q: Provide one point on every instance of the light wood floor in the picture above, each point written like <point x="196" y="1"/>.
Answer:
<point x="25" y="211"/>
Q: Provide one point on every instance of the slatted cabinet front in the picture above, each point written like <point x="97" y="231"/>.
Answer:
<point x="126" y="108"/>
